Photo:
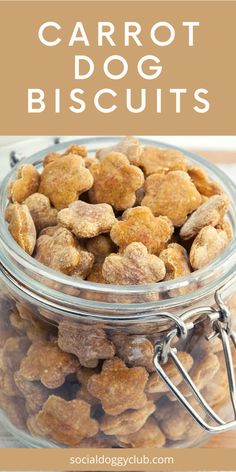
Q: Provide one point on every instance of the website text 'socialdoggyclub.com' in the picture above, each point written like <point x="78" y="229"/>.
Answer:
<point x="121" y="462"/>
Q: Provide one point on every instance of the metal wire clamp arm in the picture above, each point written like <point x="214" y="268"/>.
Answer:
<point x="221" y="322"/>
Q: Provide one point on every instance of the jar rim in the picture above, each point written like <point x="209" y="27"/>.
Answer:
<point x="202" y="278"/>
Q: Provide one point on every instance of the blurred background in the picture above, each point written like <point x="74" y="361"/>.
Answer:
<point x="214" y="142"/>
<point x="219" y="149"/>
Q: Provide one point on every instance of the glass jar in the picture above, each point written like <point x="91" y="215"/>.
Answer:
<point x="92" y="365"/>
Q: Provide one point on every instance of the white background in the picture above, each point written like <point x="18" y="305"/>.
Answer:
<point x="208" y="143"/>
<point x="204" y="142"/>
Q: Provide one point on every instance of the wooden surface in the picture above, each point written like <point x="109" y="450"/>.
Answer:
<point x="218" y="156"/>
<point x="223" y="440"/>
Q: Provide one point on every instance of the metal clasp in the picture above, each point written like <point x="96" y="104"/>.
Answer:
<point x="221" y="320"/>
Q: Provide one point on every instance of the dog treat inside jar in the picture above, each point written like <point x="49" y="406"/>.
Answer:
<point x="118" y="297"/>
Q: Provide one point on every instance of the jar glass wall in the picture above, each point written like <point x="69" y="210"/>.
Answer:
<point x="76" y="363"/>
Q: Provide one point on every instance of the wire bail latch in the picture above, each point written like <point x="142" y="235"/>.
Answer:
<point x="221" y="324"/>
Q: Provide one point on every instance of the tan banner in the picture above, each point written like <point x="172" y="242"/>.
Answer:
<point x="119" y="0"/>
<point x="118" y="460"/>
<point x="117" y="68"/>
